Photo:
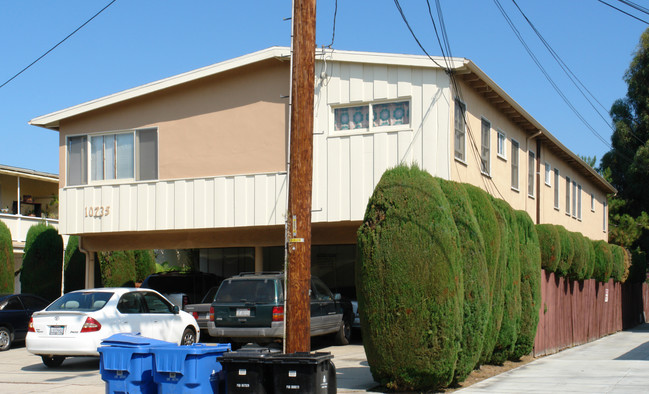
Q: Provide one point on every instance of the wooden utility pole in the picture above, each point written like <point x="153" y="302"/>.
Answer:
<point x="298" y="306"/>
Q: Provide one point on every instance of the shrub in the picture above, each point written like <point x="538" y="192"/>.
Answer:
<point x="577" y="270"/>
<point x="530" y="258"/>
<point x="409" y="282"/>
<point x="41" y="272"/>
<point x="567" y="251"/>
<point x="117" y="268"/>
<point x="618" y="271"/>
<point x="75" y="266"/>
<point x="475" y="275"/>
<point x="550" y="244"/>
<point x="6" y="260"/>
<point x="144" y="264"/>
<point x="603" y="261"/>
<point x="589" y="246"/>
<point x="512" y="303"/>
<point x="490" y="228"/>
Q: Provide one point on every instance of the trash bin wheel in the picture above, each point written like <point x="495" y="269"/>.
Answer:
<point x="189" y="337"/>
<point x="53" y="361"/>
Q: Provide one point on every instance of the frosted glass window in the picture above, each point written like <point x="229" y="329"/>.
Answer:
<point x="390" y="114"/>
<point x="351" y="118"/>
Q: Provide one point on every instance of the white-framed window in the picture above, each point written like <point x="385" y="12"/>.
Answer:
<point x="117" y="156"/>
<point x="592" y="202"/>
<point x="556" y="189"/>
<point x="568" y="196"/>
<point x="578" y="202"/>
<point x="501" y="144"/>
<point x="574" y="199"/>
<point x="514" y="163"/>
<point x="604" y="215"/>
<point x="548" y="176"/>
<point x="485" y="151"/>
<point x="460" y="130"/>
<point x="383" y="115"/>
<point x="530" y="173"/>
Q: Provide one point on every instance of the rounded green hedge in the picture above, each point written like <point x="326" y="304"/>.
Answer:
<point x="590" y="259"/>
<point x="567" y="251"/>
<point x="117" y="268"/>
<point x="530" y="258"/>
<point x="475" y="275"/>
<point x="577" y="270"/>
<point x="75" y="266"/>
<point x="41" y="272"/>
<point x="491" y="233"/>
<point x="409" y="282"/>
<point x="6" y="260"/>
<point x="550" y="244"/>
<point x="618" y="271"/>
<point x="144" y="264"/>
<point x="511" y="321"/>
<point x="603" y="261"/>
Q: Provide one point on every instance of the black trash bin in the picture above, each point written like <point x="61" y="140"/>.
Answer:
<point x="247" y="370"/>
<point x="303" y="373"/>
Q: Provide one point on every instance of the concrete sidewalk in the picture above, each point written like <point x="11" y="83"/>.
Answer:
<point x="618" y="363"/>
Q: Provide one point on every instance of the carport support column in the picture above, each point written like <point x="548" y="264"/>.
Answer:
<point x="90" y="270"/>
<point x="259" y="259"/>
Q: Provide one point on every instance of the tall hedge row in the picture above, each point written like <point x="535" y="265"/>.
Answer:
<point x="550" y="244"/>
<point x="117" y="268"/>
<point x="41" y="271"/>
<point x="603" y="261"/>
<point x="567" y="252"/>
<point x="6" y="260"/>
<point x="409" y="282"/>
<point x="475" y="275"/>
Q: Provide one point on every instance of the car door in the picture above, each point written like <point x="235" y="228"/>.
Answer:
<point x="31" y="304"/>
<point x="159" y="321"/>
<point x="131" y="313"/>
<point x="14" y="314"/>
<point x="329" y="317"/>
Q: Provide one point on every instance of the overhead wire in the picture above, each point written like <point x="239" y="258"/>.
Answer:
<point x="624" y="12"/>
<point x="333" y="30"/>
<point x="403" y="16"/>
<point x="59" y="43"/>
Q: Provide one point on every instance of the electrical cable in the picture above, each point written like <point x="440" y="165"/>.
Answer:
<point x="403" y="16"/>
<point x="636" y="6"/>
<point x="333" y="33"/>
<point x="622" y="11"/>
<point x="59" y="43"/>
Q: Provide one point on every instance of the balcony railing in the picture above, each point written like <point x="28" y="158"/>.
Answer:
<point x="19" y="224"/>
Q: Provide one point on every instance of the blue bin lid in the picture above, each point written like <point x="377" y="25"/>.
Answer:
<point x="172" y="358"/>
<point x="133" y="340"/>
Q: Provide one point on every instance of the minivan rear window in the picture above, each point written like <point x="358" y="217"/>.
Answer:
<point x="248" y="290"/>
<point x="85" y="301"/>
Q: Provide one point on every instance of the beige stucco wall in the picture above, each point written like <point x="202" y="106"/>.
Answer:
<point x="206" y="128"/>
<point x="499" y="182"/>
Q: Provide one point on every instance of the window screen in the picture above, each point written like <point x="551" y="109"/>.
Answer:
<point x="147" y="154"/>
<point x="77" y="161"/>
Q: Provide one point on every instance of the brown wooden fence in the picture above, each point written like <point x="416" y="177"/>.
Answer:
<point x="573" y="313"/>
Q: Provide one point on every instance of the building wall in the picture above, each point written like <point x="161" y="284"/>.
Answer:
<point x="347" y="165"/>
<point x="499" y="184"/>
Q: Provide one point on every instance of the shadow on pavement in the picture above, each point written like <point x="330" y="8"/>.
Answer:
<point x="639" y="353"/>
<point x="71" y="364"/>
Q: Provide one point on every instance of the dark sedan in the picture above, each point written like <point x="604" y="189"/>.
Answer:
<point x="15" y="311"/>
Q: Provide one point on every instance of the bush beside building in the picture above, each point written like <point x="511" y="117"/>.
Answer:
<point x="6" y="260"/>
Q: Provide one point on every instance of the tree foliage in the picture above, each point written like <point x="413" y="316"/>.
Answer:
<point x="6" y="260"/>
<point x="41" y="272"/>
<point x="75" y="266"/>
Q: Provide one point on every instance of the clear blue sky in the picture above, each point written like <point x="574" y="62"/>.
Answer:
<point x="139" y="41"/>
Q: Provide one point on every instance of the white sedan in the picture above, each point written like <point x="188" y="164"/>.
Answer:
<point x="77" y="322"/>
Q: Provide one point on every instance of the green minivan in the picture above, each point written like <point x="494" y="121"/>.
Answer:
<point x="249" y="307"/>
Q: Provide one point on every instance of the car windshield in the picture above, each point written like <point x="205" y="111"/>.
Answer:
<point x="85" y="301"/>
<point x="247" y="290"/>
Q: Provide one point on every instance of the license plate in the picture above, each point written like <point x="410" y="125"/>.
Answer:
<point x="57" y="330"/>
<point x="243" y="312"/>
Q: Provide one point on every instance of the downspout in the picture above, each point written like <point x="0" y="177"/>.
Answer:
<point x="527" y="148"/>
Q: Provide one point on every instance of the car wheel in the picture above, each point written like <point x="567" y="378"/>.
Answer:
<point x="344" y="334"/>
<point x="53" y="361"/>
<point x="189" y="337"/>
<point x="5" y="338"/>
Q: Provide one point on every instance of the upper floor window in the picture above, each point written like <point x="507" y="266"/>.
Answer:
<point x="604" y="214"/>
<point x="548" y="176"/>
<point x="592" y="202"/>
<point x="579" y="202"/>
<point x="556" y="188"/>
<point x="574" y="199"/>
<point x="383" y="114"/>
<point x="128" y="155"/>
<point x="501" y="145"/>
<point x="530" y="174"/>
<point x="460" y="130"/>
<point x="485" y="154"/>
<point x="568" y="196"/>
<point x="514" y="164"/>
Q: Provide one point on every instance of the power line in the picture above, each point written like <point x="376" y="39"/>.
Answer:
<point x="333" y="33"/>
<point x="403" y="16"/>
<point x="59" y="43"/>
<point x="636" y="6"/>
<point x="624" y="12"/>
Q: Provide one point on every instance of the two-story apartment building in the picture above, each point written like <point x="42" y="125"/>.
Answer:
<point x="199" y="160"/>
<point x="27" y="197"/>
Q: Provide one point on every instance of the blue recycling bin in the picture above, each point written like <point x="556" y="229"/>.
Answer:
<point x="189" y="369"/>
<point x="126" y="363"/>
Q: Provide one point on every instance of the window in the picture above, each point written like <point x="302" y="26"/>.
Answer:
<point x="515" y="164"/>
<point x="460" y="130"/>
<point x="574" y="199"/>
<point x="548" y="176"/>
<point x="568" y="196"/>
<point x="604" y="213"/>
<point x="501" y="145"/>
<point x="128" y="155"/>
<point x="530" y="174"/>
<point x="485" y="156"/>
<point x="156" y="304"/>
<point x="556" y="189"/>
<point x="592" y="202"/>
<point x="383" y="114"/>
<point x="579" y="202"/>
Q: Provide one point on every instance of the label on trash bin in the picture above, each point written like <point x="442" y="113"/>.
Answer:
<point x="324" y="383"/>
<point x="242" y="372"/>
<point x="292" y="374"/>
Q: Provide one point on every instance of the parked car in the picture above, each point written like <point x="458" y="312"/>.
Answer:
<point x="77" y="322"/>
<point x="15" y="311"/>
<point x="182" y="288"/>
<point x="249" y="307"/>
<point x="201" y="312"/>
